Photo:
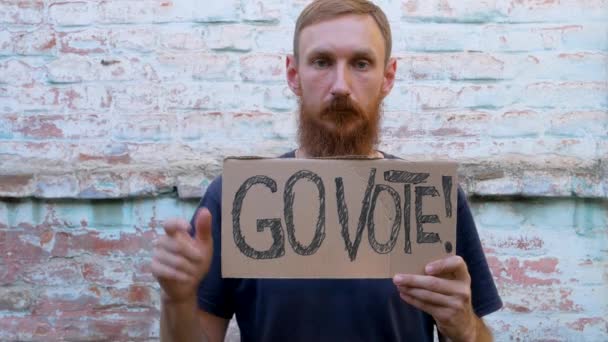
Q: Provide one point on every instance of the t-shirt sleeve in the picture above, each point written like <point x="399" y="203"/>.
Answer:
<point x="485" y="298"/>
<point x="214" y="292"/>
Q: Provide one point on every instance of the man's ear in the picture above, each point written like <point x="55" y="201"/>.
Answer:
<point x="293" y="78"/>
<point x="389" y="77"/>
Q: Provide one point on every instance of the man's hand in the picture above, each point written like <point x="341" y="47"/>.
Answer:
<point x="180" y="261"/>
<point x="444" y="293"/>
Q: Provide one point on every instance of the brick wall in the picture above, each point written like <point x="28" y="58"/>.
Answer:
<point x="116" y="114"/>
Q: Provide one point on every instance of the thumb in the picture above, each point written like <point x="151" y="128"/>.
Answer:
<point x="202" y="226"/>
<point x="174" y="225"/>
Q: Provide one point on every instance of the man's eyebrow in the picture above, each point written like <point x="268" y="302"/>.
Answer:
<point x="358" y="53"/>
<point x="320" y="52"/>
<point x="365" y="53"/>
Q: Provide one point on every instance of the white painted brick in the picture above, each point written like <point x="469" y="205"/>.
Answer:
<point x="211" y="96"/>
<point x="183" y="37"/>
<point x="52" y="186"/>
<point x="42" y="41"/>
<point x="408" y="37"/>
<point x="119" y="68"/>
<point x="537" y="183"/>
<point x="234" y="37"/>
<point x="277" y="39"/>
<point x="6" y="42"/>
<point x="202" y="125"/>
<point x="280" y="98"/>
<point x="517" y="123"/>
<point x="566" y="10"/>
<point x="145" y="127"/>
<point x="70" y="69"/>
<point x="562" y="95"/>
<point x="17" y="72"/>
<point x="263" y="68"/>
<point x="264" y="11"/>
<point x="589" y="37"/>
<point x="214" y="11"/>
<point x="454" y="66"/>
<point x="247" y="97"/>
<point x="451" y="10"/>
<point x="200" y="66"/>
<point x="135" y="12"/>
<point x="74" y="68"/>
<point x="144" y="98"/>
<point x="20" y="12"/>
<point x="505" y="185"/>
<point x="579" y="124"/>
<point x="143" y="39"/>
<point x="72" y="13"/>
<point x="85" y="41"/>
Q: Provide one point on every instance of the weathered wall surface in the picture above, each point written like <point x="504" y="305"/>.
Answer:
<point x="116" y="114"/>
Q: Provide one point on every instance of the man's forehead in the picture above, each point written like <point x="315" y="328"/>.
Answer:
<point x="357" y="33"/>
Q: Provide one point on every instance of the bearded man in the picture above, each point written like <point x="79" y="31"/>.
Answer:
<point x="340" y="70"/>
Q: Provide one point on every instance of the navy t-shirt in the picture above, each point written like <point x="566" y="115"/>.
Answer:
<point x="333" y="309"/>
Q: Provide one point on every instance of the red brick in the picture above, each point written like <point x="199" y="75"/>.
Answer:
<point x="513" y="271"/>
<point x="19" y="253"/>
<point x="56" y="272"/>
<point x="90" y="241"/>
<point x="581" y="323"/>
<point x="14" y="185"/>
<point x="72" y="97"/>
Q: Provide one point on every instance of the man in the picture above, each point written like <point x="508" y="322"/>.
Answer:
<point x="341" y="71"/>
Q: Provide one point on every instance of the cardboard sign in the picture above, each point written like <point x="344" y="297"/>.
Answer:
<point x="335" y="218"/>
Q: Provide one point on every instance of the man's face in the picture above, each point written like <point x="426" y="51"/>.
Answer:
<point x="341" y="79"/>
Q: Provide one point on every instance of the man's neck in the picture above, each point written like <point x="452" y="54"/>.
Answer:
<point x="301" y="154"/>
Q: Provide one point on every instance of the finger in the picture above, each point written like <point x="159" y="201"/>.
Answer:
<point x="434" y="298"/>
<point x="174" y="225"/>
<point x="203" y="226"/>
<point x="453" y="264"/>
<point x="163" y="272"/>
<point x="183" y="247"/>
<point x="175" y="261"/>
<point x="429" y="308"/>
<point x="430" y="283"/>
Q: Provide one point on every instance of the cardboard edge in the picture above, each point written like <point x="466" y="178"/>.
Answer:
<point x="347" y="157"/>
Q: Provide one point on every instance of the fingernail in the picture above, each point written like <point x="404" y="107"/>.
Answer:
<point x="429" y="269"/>
<point x="398" y="278"/>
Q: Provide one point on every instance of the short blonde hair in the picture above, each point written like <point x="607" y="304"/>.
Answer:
<point x="321" y="10"/>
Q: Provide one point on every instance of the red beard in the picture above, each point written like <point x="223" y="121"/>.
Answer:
<point x="342" y="128"/>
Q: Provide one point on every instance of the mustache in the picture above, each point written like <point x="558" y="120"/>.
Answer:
<point x="342" y="106"/>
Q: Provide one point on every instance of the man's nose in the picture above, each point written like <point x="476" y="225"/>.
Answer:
<point x="341" y="85"/>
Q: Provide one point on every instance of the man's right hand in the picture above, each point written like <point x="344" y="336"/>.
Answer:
<point x="180" y="262"/>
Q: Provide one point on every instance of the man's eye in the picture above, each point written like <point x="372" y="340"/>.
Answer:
<point x="320" y="63"/>
<point x="362" y="65"/>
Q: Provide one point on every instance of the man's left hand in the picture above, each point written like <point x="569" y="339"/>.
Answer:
<point x="444" y="293"/>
